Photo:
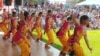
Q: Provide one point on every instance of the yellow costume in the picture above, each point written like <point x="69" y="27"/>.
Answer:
<point x="63" y="38"/>
<point x="25" y="50"/>
<point x="4" y="28"/>
<point x="49" y="31"/>
<point x="20" y="38"/>
<point x="38" y="27"/>
<point x="78" y="34"/>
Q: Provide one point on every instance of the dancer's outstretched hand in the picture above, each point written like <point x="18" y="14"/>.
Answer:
<point x="90" y="49"/>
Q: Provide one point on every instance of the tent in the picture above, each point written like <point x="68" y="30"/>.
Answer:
<point x="90" y="2"/>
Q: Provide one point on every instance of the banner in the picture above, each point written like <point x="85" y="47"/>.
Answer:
<point x="1" y="3"/>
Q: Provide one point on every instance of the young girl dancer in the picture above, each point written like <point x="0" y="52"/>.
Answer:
<point x="38" y="26"/>
<point x="63" y="34"/>
<point x="20" y="38"/>
<point x="49" y="29"/>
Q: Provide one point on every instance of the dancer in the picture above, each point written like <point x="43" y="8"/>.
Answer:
<point x="38" y="26"/>
<point x="14" y="24"/>
<point x="20" y="38"/>
<point x="31" y="22"/>
<point x="49" y="29"/>
<point x="63" y="34"/>
<point x="79" y="32"/>
<point x="3" y="24"/>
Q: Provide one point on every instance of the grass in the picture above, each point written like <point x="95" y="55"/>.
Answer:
<point x="94" y="40"/>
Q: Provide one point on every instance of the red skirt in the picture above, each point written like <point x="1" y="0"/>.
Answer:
<point x="17" y="37"/>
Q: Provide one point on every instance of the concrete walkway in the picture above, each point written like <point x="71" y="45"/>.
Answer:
<point x="37" y="49"/>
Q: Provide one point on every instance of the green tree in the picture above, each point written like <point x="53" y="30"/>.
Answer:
<point x="36" y="1"/>
<point x="80" y="0"/>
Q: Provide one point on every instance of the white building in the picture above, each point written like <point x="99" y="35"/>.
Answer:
<point x="71" y="3"/>
<point x="58" y="1"/>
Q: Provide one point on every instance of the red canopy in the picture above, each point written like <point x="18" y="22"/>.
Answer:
<point x="1" y="3"/>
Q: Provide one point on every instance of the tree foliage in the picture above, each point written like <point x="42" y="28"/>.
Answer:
<point x="80" y="0"/>
<point x="36" y="1"/>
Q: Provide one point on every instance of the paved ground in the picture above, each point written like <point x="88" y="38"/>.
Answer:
<point x="37" y="49"/>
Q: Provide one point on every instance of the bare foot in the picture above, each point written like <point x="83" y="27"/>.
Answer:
<point x="47" y="47"/>
<point x="5" y="38"/>
<point x="37" y="40"/>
